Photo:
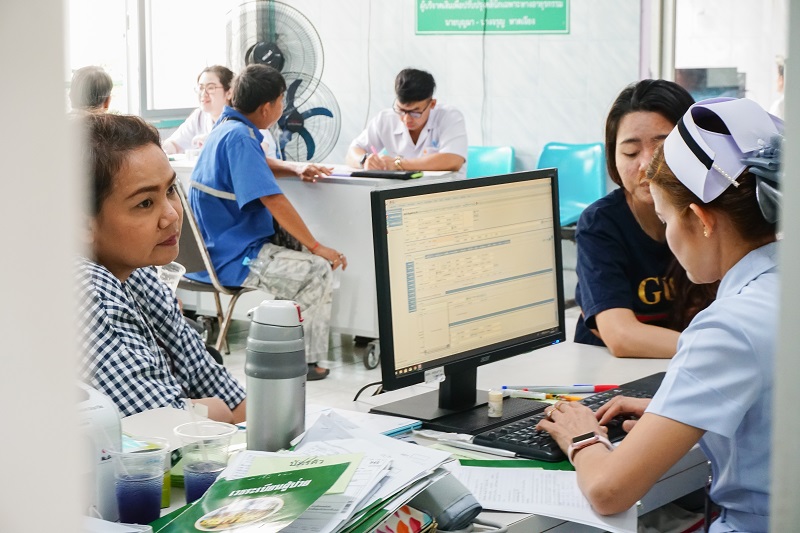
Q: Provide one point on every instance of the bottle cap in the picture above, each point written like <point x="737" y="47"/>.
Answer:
<point x="277" y="313"/>
<point x="495" y="395"/>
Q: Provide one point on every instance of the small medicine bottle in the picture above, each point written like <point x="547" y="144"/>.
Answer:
<point x="495" y="403"/>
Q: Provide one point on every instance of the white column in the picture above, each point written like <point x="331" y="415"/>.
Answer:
<point x="785" y="513"/>
<point x="39" y="443"/>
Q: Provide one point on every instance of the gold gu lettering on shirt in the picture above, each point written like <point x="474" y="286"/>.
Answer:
<point x="653" y="289"/>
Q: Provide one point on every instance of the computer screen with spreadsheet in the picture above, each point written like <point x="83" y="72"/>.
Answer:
<point x="468" y="272"/>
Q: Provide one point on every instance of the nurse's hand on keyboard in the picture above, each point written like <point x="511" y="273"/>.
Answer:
<point x="564" y="420"/>
<point x="622" y="408"/>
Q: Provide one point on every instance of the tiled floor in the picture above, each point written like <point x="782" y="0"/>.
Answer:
<point x="345" y="360"/>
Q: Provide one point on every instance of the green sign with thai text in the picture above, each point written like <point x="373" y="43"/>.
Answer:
<point x="492" y="16"/>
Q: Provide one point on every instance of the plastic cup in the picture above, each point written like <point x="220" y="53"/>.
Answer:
<point x="205" y="454"/>
<point x="171" y="274"/>
<point x="138" y="480"/>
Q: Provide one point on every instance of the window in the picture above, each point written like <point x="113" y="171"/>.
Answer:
<point x="103" y="44"/>
<point x="179" y="39"/>
<point x="153" y="50"/>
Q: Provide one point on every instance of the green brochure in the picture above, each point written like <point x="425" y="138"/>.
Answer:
<point x="254" y="464"/>
<point x="263" y="504"/>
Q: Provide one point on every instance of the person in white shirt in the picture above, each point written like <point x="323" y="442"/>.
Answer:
<point x="214" y="92"/>
<point x="415" y="133"/>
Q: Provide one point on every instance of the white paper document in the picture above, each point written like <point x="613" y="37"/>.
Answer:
<point x="544" y="492"/>
<point x="388" y="425"/>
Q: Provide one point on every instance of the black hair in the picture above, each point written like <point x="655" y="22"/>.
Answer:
<point x="413" y="85"/>
<point x="224" y="74"/>
<point x="110" y="138"/>
<point x="666" y="98"/>
<point x="256" y="85"/>
<point x="90" y="88"/>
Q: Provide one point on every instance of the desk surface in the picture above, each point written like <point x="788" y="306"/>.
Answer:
<point x="560" y="364"/>
<point x="568" y="363"/>
<point x="563" y="364"/>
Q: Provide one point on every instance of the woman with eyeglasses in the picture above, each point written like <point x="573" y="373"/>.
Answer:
<point x="214" y="92"/>
<point x="415" y="133"/>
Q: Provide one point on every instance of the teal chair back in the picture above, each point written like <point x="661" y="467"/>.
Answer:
<point x="581" y="176"/>
<point x="489" y="161"/>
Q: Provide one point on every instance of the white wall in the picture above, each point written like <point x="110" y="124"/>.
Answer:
<point x="539" y="88"/>
<point x="41" y="488"/>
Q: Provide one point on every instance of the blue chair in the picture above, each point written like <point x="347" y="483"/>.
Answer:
<point x="581" y="176"/>
<point x="489" y="161"/>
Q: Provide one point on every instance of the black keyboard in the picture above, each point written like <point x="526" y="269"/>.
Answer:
<point x="522" y="438"/>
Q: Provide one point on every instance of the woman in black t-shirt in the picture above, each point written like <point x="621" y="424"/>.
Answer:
<point x="634" y="298"/>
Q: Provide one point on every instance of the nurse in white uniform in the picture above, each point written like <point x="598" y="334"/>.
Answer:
<point x="715" y="187"/>
<point x="417" y="133"/>
<point x="214" y="90"/>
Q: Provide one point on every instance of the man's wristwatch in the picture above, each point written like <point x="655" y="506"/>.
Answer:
<point x="587" y="439"/>
<point x="398" y="162"/>
<point x="363" y="159"/>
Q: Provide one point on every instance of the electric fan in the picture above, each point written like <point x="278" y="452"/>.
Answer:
<point x="274" y="34"/>
<point x="309" y="129"/>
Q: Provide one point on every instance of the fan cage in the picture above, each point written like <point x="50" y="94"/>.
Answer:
<point x="323" y="130"/>
<point x="277" y="23"/>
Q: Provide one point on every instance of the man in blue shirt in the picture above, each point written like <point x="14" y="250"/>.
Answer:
<point x="236" y="201"/>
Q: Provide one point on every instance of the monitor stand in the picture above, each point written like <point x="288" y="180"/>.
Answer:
<point x="458" y="407"/>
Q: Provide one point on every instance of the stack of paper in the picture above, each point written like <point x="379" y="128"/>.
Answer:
<point x="411" y="468"/>
<point x="339" y="478"/>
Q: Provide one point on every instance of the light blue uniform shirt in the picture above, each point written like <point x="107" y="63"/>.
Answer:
<point x="232" y="161"/>
<point x="720" y="380"/>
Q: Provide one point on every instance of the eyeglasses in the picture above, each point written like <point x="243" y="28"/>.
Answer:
<point x="209" y="88"/>
<point x="412" y="114"/>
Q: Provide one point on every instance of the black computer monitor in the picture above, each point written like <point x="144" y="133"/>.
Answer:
<point x="468" y="272"/>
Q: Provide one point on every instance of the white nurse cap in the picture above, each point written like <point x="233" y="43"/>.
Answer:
<point x="706" y="148"/>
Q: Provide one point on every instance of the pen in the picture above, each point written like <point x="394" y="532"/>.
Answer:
<point x="563" y="397"/>
<point x="562" y="389"/>
<point x="374" y="151"/>
<point x="478" y="448"/>
<point x="528" y="395"/>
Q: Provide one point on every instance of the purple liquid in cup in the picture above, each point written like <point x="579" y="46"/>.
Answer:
<point x="139" y="498"/>
<point x="197" y="477"/>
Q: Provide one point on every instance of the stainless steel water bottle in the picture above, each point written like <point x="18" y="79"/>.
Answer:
<point x="276" y="368"/>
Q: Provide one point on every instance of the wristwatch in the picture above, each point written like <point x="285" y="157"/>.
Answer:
<point x="398" y="162"/>
<point x="587" y="439"/>
<point x="363" y="159"/>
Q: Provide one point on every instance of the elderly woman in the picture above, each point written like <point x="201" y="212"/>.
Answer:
<point x="135" y="345"/>
<point x="90" y="90"/>
<point x="714" y="185"/>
